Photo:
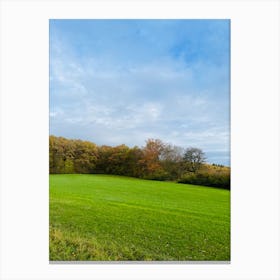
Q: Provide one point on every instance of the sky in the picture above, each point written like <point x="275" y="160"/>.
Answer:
<point x="118" y="82"/>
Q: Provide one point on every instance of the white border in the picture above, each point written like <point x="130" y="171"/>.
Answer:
<point x="254" y="126"/>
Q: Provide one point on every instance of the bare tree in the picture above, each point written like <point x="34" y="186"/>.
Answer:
<point x="194" y="158"/>
<point x="171" y="160"/>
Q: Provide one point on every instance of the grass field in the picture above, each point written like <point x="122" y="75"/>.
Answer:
<point x="102" y="217"/>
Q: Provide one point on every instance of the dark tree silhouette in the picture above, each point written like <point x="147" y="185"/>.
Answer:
<point x="194" y="158"/>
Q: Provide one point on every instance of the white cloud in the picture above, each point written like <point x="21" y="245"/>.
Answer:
<point x="114" y="103"/>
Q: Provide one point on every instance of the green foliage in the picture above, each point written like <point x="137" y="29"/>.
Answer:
<point x="206" y="178"/>
<point x="158" y="175"/>
<point x="106" y="217"/>
<point x="69" y="166"/>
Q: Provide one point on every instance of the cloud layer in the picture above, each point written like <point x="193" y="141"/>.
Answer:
<point x="124" y="81"/>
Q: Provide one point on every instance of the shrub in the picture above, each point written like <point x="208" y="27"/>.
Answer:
<point x="211" y="179"/>
<point x="159" y="175"/>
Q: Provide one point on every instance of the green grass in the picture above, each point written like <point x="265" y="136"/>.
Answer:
<point x="102" y="217"/>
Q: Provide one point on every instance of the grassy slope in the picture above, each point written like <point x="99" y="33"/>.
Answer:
<point x="101" y="217"/>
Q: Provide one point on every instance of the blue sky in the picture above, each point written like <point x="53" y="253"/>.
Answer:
<point x="118" y="82"/>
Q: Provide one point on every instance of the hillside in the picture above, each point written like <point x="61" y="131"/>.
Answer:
<point x="106" y="217"/>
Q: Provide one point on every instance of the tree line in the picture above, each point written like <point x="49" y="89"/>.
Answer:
<point x="155" y="161"/>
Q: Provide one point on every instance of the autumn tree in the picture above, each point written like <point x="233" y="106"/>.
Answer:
<point x="85" y="156"/>
<point x="117" y="161"/>
<point x="71" y="156"/>
<point x="156" y="160"/>
<point x="152" y="152"/>
<point x="135" y="167"/>
<point x="55" y="155"/>
<point x="60" y="154"/>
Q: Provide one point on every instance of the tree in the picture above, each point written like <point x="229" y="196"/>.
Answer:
<point x="194" y="158"/>
<point x="84" y="156"/>
<point x="134" y="165"/>
<point x="60" y="155"/>
<point x="171" y="160"/>
<point x="117" y="161"/>
<point x="71" y="156"/>
<point x="150" y="161"/>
